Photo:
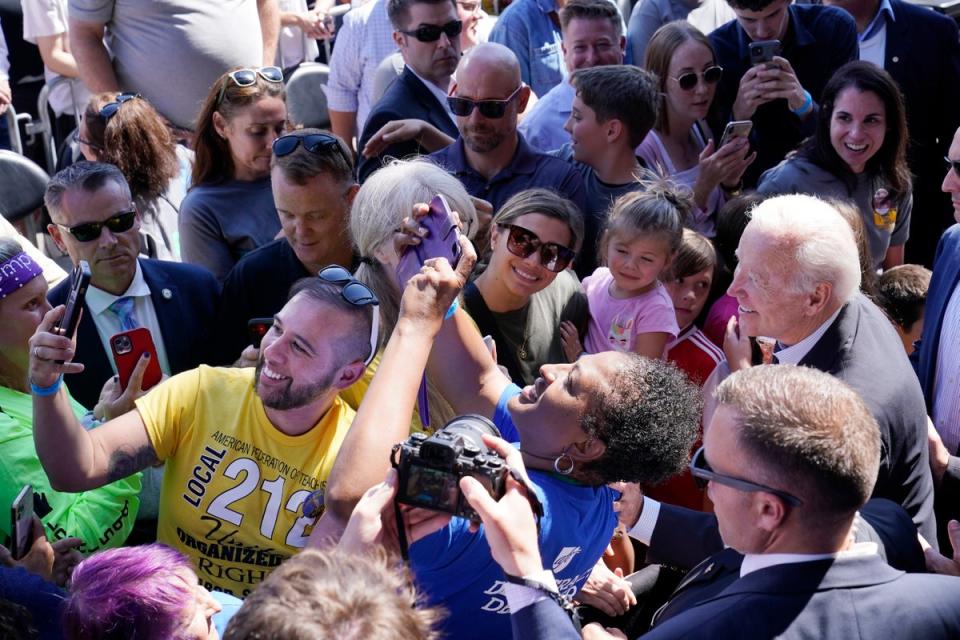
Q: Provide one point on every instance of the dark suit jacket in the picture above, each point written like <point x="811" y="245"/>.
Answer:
<point x="406" y="98"/>
<point x="185" y="316"/>
<point x="861" y="348"/>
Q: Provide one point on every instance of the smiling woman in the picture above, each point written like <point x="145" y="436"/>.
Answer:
<point x="229" y="210"/>
<point x="858" y="153"/>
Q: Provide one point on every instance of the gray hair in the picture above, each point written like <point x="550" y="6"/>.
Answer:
<point x="87" y="176"/>
<point x="815" y="237"/>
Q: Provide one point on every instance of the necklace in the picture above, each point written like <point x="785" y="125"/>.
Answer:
<point x="522" y="347"/>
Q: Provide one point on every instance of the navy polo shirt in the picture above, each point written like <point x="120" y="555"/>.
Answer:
<point x="528" y="169"/>
<point x="819" y="40"/>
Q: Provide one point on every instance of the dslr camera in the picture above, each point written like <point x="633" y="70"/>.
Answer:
<point x="429" y="468"/>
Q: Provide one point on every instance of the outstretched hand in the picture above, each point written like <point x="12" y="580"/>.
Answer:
<point x="938" y="563"/>
<point x="115" y="401"/>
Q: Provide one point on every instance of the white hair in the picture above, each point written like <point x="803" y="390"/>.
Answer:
<point x="813" y="239"/>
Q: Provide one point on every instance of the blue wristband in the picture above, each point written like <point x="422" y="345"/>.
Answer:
<point x="46" y="391"/>
<point x="453" y="308"/>
<point x="807" y="103"/>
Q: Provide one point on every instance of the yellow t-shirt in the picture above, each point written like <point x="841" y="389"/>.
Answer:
<point x="234" y="484"/>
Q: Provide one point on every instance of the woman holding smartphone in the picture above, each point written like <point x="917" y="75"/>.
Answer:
<point x="681" y="146"/>
<point x="99" y="518"/>
<point x="858" y="153"/>
<point x="229" y="210"/>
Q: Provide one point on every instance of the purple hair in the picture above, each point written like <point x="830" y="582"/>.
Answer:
<point x="130" y="593"/>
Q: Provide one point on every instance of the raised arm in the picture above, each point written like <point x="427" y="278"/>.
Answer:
<point x="269" y="12"/>
<point x="56" y="56"/>
<point x="93" y="61"/>
<point x="76" y="459"/>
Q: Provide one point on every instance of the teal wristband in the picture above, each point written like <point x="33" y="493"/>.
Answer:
<point x="807" y="103"/>
<point x="453" y="308"/>
<point x="46" y="391"/>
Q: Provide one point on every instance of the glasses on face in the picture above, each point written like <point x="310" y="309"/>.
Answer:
<point x="702" y="474"/>
<point x="248" y="78"/>
<point x="110" y="109"/>
<point x="523" y="242"/>
<point x="315" y="143"/>
<point x="492" y="109"/>
<point x="952" y="164"/>
<point x="79" y="140"/>
<point x="89" y="231"/>
<point x="357" y="294"/>
<point x="431" y="32"/>
<point x="710" y="75"/>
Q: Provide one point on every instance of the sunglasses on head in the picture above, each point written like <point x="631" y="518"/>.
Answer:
<point x="492" y="109"/>
<point x="248" y="78"/>
<point x="89" y="231"/>
<point x="523" y="243"/>
<point x="431" y="32"/>
<point x="710" y="75"/>
<point x="357" y="294"/>
<point x="316" y="143"/>
<point x="952" y="164"/>
<point x="110" y="109"/>
<point x="703" y="473"/>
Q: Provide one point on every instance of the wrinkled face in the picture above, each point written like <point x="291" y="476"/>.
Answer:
<point x="689" y="294"/>
<point x="22" y="312"/>
<point x="588" y="137"/>
<point x="769" y="23"/>
<point x="635" y="261"/>
<point x="951" y="181"/>
<point x="523" y="277"/>
<point x="591" y="43"/>
<point x="112" y="256"/>
<point x="481" y="134"/>
<point x="298" y="356"/>
<point x="198" y="617"/>
<point x="858" y="126"/>
<point x="313" y="217"/>
<point x="769" y="306"/>
<point x="434" y="61"/>
<point x="250" y="134"/>
<point x="693" y="104"/>
<point x="470" y="13"/>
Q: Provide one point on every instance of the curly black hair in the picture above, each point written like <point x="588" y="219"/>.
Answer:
<point x="648" y="416"/>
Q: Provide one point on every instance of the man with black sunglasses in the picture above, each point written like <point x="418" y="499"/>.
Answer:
<point x="427" y="33"/>
<point x="93" y="219"/>
<point x="490" y="157"/>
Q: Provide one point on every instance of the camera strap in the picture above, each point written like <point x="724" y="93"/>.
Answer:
<point x="401" y="532"/>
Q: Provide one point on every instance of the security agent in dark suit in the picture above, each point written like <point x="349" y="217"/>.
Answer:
<point x="797" y="282"/>
<point x="427" y="34"/>
<point x="95" y="220"/>
<point x="790" y="455"/>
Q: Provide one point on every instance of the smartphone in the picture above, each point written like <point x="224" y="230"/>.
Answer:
<point x="763" y="51"/>
<point x="736" y="129"/>
<point x="442" y="241"/>
<point x="257" y="328"/>
<point x="79" y="281"/>
<point x="127" y="348"/>
<point x="21" y="521"/>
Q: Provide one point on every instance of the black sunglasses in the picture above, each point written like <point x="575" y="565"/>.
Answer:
<point x="492" y="109"/>
<point x="431" y="32"/>
<point x="710" y="75"/>
<point x="952" y="164"/>
<point x="523" y="242"/>
<point x="316" y="143"/>
<point x="357" y="294"/>
<point x="110" y="109"/>
<point x="79" y="140"/>
<point x="117" y="223"/>
<point x="703" y="473"/>
<point x="248" y="78"/>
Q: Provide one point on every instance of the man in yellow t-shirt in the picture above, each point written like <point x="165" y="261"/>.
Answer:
<point x="243" y="447"/>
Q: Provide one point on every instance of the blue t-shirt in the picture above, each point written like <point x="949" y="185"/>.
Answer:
<point x="454" y="568"/>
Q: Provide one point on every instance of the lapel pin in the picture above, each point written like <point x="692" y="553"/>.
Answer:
<point x="167" y="294"/>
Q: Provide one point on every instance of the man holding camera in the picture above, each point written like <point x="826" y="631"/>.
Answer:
<point x="609" y="417"/>
<point x="777" y="85"/>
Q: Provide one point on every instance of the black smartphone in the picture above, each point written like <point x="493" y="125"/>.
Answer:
<point x="79" y="281"/>
<point x="21" y="520"/>
<point x="257" y="328"/>
<point x="763" y="51"/>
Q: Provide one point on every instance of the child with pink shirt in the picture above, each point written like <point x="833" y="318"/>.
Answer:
<point x="630" y="309"/>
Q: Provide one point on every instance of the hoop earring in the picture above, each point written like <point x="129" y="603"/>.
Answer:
<point x="564" y="471"/>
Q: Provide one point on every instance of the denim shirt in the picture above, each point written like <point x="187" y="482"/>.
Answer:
<point x="527" y="28"/>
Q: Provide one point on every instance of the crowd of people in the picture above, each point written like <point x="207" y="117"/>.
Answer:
<point x="688" y="364"/>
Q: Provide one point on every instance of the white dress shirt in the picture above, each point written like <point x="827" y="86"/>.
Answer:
<point x="795" y="353"/>
<point x="756" y="561"/>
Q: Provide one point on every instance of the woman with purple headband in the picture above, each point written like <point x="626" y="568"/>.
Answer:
<point x="100" y="518"/>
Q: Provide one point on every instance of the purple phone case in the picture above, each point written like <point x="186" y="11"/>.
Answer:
<point x="442" y="241"/>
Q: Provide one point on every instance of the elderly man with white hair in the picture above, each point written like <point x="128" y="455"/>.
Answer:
<point x="798" y="282"/>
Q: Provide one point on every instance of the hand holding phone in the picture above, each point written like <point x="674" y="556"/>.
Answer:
<point x="21" y="522"/>
<point x="442" y="241"/>
<point x="735" y="129"/>
<point x="257" y="328"/>
<point x="128" y="347"/>
<point x="79" y="281"/>
<point x="764" y="51"/>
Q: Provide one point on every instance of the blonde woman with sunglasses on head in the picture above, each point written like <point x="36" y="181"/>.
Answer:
<point x="681" y="146"/>
<point x="229" y="210"/>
